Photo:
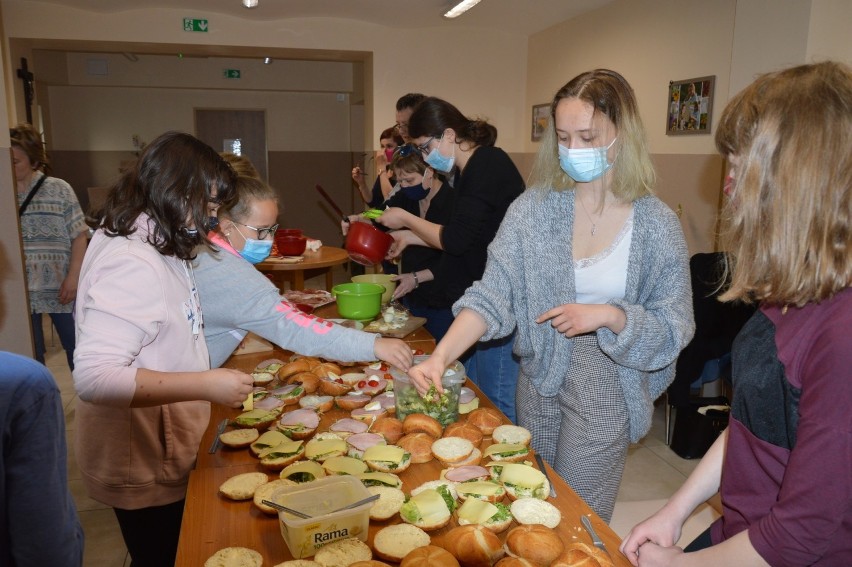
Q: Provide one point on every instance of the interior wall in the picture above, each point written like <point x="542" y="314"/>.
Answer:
<point x="15" y="326"/>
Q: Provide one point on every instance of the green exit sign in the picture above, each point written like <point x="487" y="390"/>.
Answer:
<point x="231" y="73"/>
<point x="194" y="25"/>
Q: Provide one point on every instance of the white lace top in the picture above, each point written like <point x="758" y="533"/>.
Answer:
<point x="604" y="276"/>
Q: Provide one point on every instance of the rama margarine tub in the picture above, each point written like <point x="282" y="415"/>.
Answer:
<point x="319" y="499"/>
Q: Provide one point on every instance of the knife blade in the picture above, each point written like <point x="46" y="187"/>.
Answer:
<point x="219" y="430"/>
<point x="541" y="466"/>
<point x="596" y="540"/>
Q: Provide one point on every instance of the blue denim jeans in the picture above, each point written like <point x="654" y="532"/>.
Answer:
<point x="64" y="324"/>
<point x="438" y="320"/>
<point x="492" y="366"/>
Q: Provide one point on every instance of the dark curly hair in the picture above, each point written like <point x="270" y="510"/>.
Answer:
<point x="172" y="182"/>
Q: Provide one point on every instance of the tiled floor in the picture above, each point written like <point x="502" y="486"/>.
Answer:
<point x="652" y="474"/>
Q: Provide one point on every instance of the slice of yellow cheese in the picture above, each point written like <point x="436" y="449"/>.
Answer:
<point x="309" y="467"/>
<point x="344" y="465"/>
<point x="387" y="479"/>
<point x="255" y="414"/>
<point x="270" y="439"/>
<point x="480" y="487"/>
<point x="504" y="448"/>
<point x="384" y="453"/>
<point x="287" y="447"/>
<point x="476" y="511"/>
<point x="521" y="475"/>
<point x="431" y="505"/>
<point x="248" y="405"/>
<point x="316" y="447"/>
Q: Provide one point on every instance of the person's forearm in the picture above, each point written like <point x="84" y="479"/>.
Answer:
<point x="385" y="184"/>
<point x="424" y="276"/>
<point x="428" y="232"/>
<point x="702" y="483"/>
<point x="468" y="327"/>
<point x="78" y="251"/>
<point x="155" y="388"/>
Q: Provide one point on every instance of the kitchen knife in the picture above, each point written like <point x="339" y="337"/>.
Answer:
<point x="540" y="462"/>
<point x="596" y="540"/>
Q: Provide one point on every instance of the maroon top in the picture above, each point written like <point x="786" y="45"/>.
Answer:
<point x="787" y="473"/>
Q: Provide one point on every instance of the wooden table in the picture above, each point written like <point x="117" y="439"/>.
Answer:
<point x="315" y="263"/>
<point x="211" y="522"/>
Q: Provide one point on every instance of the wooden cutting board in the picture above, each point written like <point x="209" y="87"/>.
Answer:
<point x="412" y="324"/>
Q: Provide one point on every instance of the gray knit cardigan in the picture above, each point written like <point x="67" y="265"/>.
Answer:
<point x="530" y="270"/>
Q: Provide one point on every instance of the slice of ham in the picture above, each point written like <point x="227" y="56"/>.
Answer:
<point x="469" y="472"/>
<point x="363" y="441"/>
<point x="349" y="425"/>
<point x="466" y="395"/>
<point x="283" y="390"/>
<point x="372" y="385"/>
<point x="387" y="399"/>
<point x="307" y="417"/>
<point x="269" y="403"/>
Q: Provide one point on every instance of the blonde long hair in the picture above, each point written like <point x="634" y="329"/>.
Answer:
<point x="608" y="92"/>
<point x="788" y="223"/>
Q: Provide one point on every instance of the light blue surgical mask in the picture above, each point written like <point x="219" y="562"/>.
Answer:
<point x="584" y="164"/>
<point x="439" y="161"/>
<point x="254" y="251"/>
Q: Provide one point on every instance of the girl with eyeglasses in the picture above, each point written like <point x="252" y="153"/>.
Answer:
<point x="141" y="366"/>
<point x="591" y="271"/>
<point x="238" y="298"/>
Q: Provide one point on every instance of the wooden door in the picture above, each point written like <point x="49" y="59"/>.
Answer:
<point x="235" y="131"/>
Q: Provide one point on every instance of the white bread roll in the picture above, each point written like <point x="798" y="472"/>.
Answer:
<point x="265" y="492"/>
<point x="242" y="486"/>
<point x="389" y="502"/>
<point x="342" y="553"/>
<point x="579" y="554"/>
<point x="535" y="511"/>
<point x="451" y="450"/>
<point x="511" y="434"/>
<point x="239" y="438"/>
<point x="235" y="557"/>
<point x="299" y="563"/>
<point x="395" y="542"/>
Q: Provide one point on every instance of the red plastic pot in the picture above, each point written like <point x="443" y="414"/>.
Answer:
<point x="291" y="245"/>
<point x="367" y="244"/>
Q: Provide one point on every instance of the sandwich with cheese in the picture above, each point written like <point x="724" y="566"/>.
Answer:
<point x="430" y="509"/>
<point x="322" y="449"/>
<point x="387" y="458"/>
<point x="303" y="471"/>
<point x="257" y="418"/>
<point x="507" y="452"/>
<point x="487" y="490"/>
<point x="277" y="457"/>
<point x="344" y="465"/>
<point x="494" y="516"/>
<point x="379" y="479"/>
<point x="520" y="480"/>
<point x="267" y="440"/>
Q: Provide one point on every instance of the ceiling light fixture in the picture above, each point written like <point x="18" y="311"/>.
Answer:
<point x="250" y="3"/>
<point x="460" y="8"/>
<point x="267" y="60"/>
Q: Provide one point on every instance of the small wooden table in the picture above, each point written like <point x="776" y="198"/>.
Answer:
<point x="315" y="263"/>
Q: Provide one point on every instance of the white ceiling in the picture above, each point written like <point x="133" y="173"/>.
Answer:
<point x="524" y="16"/>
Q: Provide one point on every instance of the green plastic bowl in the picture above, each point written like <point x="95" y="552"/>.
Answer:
<point x="381" y="279"/>
<point x="359" y="301"/>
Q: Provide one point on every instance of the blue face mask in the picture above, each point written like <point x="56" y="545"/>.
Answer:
<point x="254" y="251"/>
<point x="439" y="161"/>
<point x="415" y="192"/>
<point x="584" y="164"/>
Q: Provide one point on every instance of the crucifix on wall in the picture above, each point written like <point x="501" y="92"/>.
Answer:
<point x="27" y="77"/>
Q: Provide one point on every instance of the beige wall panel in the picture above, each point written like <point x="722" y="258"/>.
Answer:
<point x="829" y="31"/>
<point x="83" y="169"/>
<point x="692" y="184"/>
<point x="104" y="119"/>
<point x="650" y="43"/>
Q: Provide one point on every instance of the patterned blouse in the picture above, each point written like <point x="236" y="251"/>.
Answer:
<point x="51" y="222"/>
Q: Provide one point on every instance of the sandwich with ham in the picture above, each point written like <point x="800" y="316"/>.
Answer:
<point x="299" y="424"/>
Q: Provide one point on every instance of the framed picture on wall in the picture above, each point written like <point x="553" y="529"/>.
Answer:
<point x="690" y="106"/>
<point x="540" y="116"/>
